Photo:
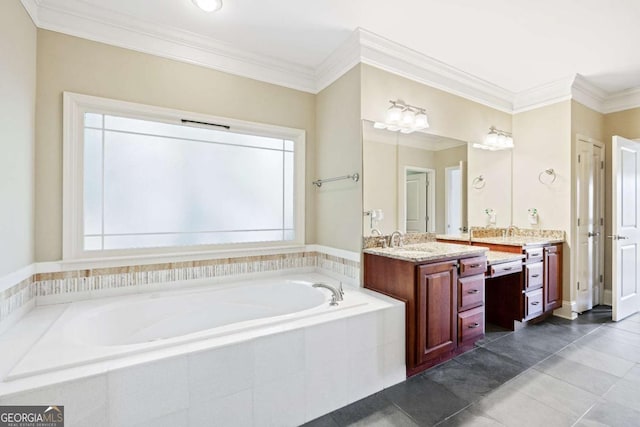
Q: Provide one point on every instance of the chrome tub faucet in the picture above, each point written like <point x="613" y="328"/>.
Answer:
<point x="337" y="293"/>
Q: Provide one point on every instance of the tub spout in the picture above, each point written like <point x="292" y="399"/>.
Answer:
<point x="336" y="293"/>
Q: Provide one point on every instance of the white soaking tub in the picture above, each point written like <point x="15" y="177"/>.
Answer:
<point x="266" y="342"/>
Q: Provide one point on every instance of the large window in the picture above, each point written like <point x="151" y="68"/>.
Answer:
<point x="153" y="178"/>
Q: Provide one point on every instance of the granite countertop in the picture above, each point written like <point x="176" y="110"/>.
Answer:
<point x="462" y="237"/>
<point x="431" y="251"/>
<point x="498" y="257"/>
<point x="517" y="240"/>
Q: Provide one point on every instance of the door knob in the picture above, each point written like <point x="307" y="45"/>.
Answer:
<point x="617" y="237"/>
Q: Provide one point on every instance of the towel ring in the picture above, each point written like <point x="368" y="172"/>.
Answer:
<point x="549" y="171"/>
<point x="478" y="182"/>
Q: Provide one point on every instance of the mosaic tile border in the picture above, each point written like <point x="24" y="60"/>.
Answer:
<point x="15" y="297"/>
<point x="70" y="283"/>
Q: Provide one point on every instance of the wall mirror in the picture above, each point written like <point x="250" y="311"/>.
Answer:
<point x="422" y="182"/>
<point x="413" y="182"/>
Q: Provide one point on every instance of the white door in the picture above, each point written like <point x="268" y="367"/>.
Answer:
<point x="625" y="227"/>
<point x="453" y="183"/>
<point x="584" y="222"/>
<point x="590" y="223"/>
<point x="416" y="207"/>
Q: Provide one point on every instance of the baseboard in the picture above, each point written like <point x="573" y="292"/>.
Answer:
<point x="567" y="311"/>
<point x="607" y="297"/>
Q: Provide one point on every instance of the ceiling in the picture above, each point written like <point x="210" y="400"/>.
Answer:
<point x="511" y="45"/>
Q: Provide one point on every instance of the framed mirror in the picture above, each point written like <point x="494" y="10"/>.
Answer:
<point x="413" y="182"/>
<point x="422" y="182"/>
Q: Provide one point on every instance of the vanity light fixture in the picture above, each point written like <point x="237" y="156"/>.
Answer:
<point x="495" y="140"/>
<point x="208" y="5"/>
<point x="404" y="118"/>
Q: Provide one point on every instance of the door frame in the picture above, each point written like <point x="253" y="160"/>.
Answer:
<point x="431" y="197"/>
<point x="447" y="196"/>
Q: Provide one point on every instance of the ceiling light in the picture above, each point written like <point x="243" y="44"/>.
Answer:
<point x="404" y="118"/>
<point x="496" y="139"/>
<point x="208" y="5"/>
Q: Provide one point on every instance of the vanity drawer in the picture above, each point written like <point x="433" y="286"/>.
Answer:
<point x="533" y="254"/>
<point x="533" y="276"/>
<point x="505" y="268"/>
<point x="470" y="324"/>
<point x="471" y="266"/>
<point x="533" y="303"/>
<point x="470" y="292"/>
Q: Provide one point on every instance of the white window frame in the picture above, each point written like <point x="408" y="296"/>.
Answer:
<point x="76" y="105"/>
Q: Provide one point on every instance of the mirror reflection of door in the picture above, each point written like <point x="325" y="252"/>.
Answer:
<point x="453" y="185"/>
<point x="420" y="200"/>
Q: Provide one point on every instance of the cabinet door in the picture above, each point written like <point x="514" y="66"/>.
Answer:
<point x="436" y="314"/>
<point x="552" y="277"/>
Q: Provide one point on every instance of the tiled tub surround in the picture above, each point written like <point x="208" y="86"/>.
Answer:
<point x="281" y="373"/>
<point x="72" y="285"/>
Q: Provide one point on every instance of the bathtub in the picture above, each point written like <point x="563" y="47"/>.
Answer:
<point x="279" y="335"/>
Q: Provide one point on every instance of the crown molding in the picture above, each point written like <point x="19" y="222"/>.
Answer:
<point x="398" y="59"/>
<point x="102" y="25"/>
<point x="588" y="94"/>
<point x="543" y="95"/>
<point x="31" y="6"/>
<point x="624" y="100"/>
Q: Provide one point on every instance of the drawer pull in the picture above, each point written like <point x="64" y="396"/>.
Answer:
<point x="535" y="302"/>
<point x="507" y="269"/>
<point x="535" y="275"/>
<point x="473" y="326"/>
<point x="473" y="291"/>
<point x="537" y="254"/>
<point x="474" y="265"/>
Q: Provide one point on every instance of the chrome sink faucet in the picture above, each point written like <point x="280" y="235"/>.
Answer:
<point x="392" y="239"/>
<point x="337" y="293"/>
<point x="511" y="230"/>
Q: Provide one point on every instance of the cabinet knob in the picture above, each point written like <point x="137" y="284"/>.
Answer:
<point x="473" y="291"/>
<point x="535" y="303"/>
<point x="473" y="326"/>
<point x="474" y="266"/>
<point x="535" y="275"/>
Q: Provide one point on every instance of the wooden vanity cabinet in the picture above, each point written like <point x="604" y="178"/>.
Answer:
<point x="552" y="277"/>
<point x="444" y="304"/>
<point x="533" y="296"/>
<point x="436" y="302"/>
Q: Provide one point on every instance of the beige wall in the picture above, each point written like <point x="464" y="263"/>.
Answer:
<point x="542" y="140"/>
<point x="17" y="116"/>
<point x="339" y="152"/>
<point x="495" y="191"/>
<point x="449" y="115"/>
<point x="380" y="181"/>
<point x="68" y="63"/>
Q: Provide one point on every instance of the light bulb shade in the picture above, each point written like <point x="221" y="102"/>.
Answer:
<point x="508" y="142"/>
<point x="379" y="125"/>
<point x="408" y="118"/>
<point x="208" y="5"/>
<point x="491" y="139"/>
<point x="421" y="121"/>
<point x="394" y="114"/>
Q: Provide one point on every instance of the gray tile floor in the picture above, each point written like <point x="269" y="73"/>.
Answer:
<point x="555" y="373"/>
